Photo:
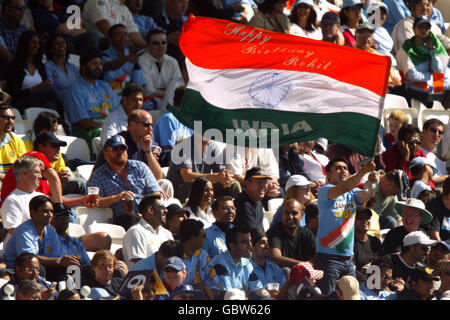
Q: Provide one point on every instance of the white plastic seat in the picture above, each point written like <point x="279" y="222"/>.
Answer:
<point x="76" y="230"/>
<point x="266" y="224"/>
<point x="96" y="145"/>
<point x="394" y="101"/>
<point x="84" y="171"/>
<point x="170" y="201"/>
<point x="23" y="126"/>
<point x="32" y="113"/>
<point x="426" y="114"/>
<point x="115" y="231"/>
<point x="274" y="204"/>
<point x="88" y="216"/>
<point x="155" y="115"/>
<point x="77" y="148"/>
<point x="17" y="113"/>
<point x="164" y="171"/>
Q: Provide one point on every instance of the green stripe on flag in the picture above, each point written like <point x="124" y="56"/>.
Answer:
<point x="357" y="131"/>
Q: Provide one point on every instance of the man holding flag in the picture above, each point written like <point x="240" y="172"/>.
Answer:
<point x="337" y="206"/>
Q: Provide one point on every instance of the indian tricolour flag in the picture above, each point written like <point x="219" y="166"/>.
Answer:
<point x="241" y="77"/>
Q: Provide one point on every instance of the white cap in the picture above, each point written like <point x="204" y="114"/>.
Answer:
<point x="234" y="294"/>
<point x="323" y="143"/>
<point x="417" y="237"/>
<point x="298" y="180"/>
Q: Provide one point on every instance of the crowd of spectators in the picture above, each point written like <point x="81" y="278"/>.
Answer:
<point x="210" y="230"/>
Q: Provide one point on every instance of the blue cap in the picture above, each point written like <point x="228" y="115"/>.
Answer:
<point x="332" y="17"/>
<point x="259" y="294"/>
<point x="421" y="19"/>
<point x="307" y="2"/>
<point x="418" y="161"/>
<point x="115" y="141"/>
<point x="351" y="3"/>
<point x="377" y="4"/>
<point x="187" y="288"/>
<point x="176" y="263"/>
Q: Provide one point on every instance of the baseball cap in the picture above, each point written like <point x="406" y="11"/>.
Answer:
<point x="307" y="292"/>
<point x="49" y="137"/>
<point x="445" y="245"/>
<point x="304" y="270"/>
<point x="363" y="213"/>
<point x="60" y="210"/>
<point x="307" y="2"/>
<point x="351" y="3"/>
<point x="322" y="142"/>
<point x="349" y="286"/>
<point x="115" y="141"/>
<point x="377" y="4"/>
<point x="259" y="294"/>
<point x="401" y="179"/>
<point x="234" y="294"/>
<point x="414" y="203"/>
<point x="365" y="26"/>
<point x="418" y="237"/>
<point x="331" y="16"/>
<point x="422" y="272"/>
<point x="421" y="19"/>
<point x="255" y="172"/>
<point x="297" y="180"/>
<point x="176" y="263"/>
<point x="174" y="209"/>
<point x="184" y="288"/>
<point x="420" y="161"/>
<point x="90" y="54"/>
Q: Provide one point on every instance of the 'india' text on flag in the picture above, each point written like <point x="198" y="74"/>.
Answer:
<point x="241" y="77"/>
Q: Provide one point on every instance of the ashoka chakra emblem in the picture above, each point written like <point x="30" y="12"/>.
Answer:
<point x="270" y="89"/>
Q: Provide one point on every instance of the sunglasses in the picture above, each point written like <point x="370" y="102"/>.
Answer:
<point x="8" y="117"/>
<point x="119" y="148"/>
<point x="18" y="7"/>
<point x="145" y="124"/>
<point x="425" y="248"/>
<point x="412" y="141"/>
<point x="157" y="43"/>
<point x="439" y="132"/>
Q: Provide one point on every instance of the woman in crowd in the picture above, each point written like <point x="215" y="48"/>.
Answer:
<point x="271" y="16"/>
<point x="350" y="16"/>
<point x="26" y="79"/>
<point x="303" y="20"/>
<point x="313" y="163"/>
<point x="59" y="71"/>
<point x="199" y="202"/>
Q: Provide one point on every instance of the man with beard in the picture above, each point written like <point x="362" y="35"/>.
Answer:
<point x="122" y="182"/>
<point x="264" y="270"/>
<point x="145" y="237"/>
<point x="89" y="100"/>
<point x="224" y="211"/>
<point x="11" y="146"/>
<point x="337" y="203"/>
<point x="291" y="244"/>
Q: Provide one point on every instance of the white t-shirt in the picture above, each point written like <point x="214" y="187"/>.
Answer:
<point x="313" y="165"/>
<point x="15" y="210"/>
<point x="296" y="30"/>
<point x="31" y="80"/>
<point x="206" y="217"/>
<point x="141" y="241"/>
<point x="112" y="10"/>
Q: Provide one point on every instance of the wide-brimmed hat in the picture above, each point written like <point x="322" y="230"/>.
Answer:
<point x="414" y="203"/>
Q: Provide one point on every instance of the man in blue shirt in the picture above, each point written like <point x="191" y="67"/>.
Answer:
<point x="144" y="22"/>
<point x="233" y="267"/>
<point x="398" y="10"/>
<point x="38" y="237"/>
<point x="337" y="202"/>
<point x="89" y="100"/>
<point x="121" y="180"/>
<point x="10" y="23"/>
<point x="224" y="211"/>
<point x="119" y="64"/>
<point x="264" y="270"/>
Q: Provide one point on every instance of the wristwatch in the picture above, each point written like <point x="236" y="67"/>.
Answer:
<point x="58" y="261"/>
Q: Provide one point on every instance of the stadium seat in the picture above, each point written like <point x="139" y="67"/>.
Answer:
<point x="115" y="231"/>
<point x="164" y="171"/>
<point x="155" y="115"/>
<point x="76" y="230"/>
<point x="88" y="216"/>
<point x="32" y="113"/>
<point x="426" y="114"/>
<point x="17" y="113"/>
<point x="96" y="146"/>
<point x="394" y="101"/>
<point x="23" y="126"/>
<point x="77" y="148"/>
<point x="84" y="171"/>
<point x="274" y="204"/>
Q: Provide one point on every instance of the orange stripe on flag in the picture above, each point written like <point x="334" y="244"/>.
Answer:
<point x="438" y="82"/>
<point x="333" y="235"/>
<point x="220" y="44"/>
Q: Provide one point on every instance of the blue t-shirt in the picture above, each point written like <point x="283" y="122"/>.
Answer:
<point x="168" y="130"/>
<point x="398" y="10"/>
<point x="86" y="101"/>
<point x="260" y="277"/>
<point x="215" y="241"/>
<point x="145" y="24"/>
<point x="231" y="275"/>
<point x="26" y="239"/>
<point x="73" y="247"/>
<point x="61" y="80"/>
<point x="336" y="222"/>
